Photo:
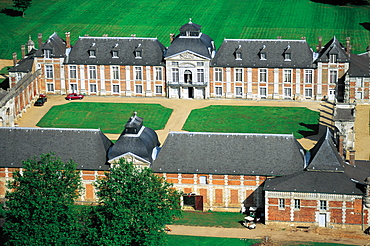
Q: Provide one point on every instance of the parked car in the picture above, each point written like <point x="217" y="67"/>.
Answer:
<point x="74" y="96"/>
<point x="43" y="96"/>
<point x="40" y="101"/>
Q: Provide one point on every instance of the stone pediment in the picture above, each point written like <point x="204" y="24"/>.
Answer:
<point x="187" y="55"/>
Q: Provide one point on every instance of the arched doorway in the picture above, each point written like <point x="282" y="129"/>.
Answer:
<point x="188" y="77"/>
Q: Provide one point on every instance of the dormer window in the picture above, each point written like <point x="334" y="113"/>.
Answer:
<point x="287" y="56"/>
<point x="238" y="53"/>
<point x="92" y="53"/>
<point x="47" y="53"/>
<point x="333" y="58"/>
<point x="138" y="54"/>
<point x="263" y="56"/>
<point x="115" y="54"/>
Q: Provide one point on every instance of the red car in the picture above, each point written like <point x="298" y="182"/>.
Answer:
<point x="74" y="96"/>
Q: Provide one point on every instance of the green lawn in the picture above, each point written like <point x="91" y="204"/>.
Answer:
<point x="216" y="219"/>
<point x="206" y="241"/>
<point x="253" y="19"/>
<point x="109" y="117"/>
<point x="254" y="119"/>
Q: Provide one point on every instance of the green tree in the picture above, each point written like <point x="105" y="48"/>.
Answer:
<point x="134" y="207"/>
<point x="40" y="207"/>
<point x="22" y="4"/>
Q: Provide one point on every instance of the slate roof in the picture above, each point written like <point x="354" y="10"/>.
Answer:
<point x="86" y="147"/>
<point x="359" y="172"/>
<point x="141" y="143"/>
<point x="201" y="44"/>
<point x="343" y="114"/>
<point x="250" y="49"/>
<point x="325" y="156"/>
<point x="230" y="153"/>
<point x="24" y="65"/>
<point x="333" y="47"/>
<point x="314" y="182"/>
<point x="54" y="43"/>
<point x="152" y="51"/>
<point x="359" y="65"/>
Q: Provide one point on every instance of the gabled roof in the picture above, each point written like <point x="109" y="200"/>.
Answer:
<point x="333" y="47"/>
<point x="86" y="147"/>
<point x="251" y="49"/>
<point x="54" y="43"/>
<point x="324" y="155"/>
<point x="359" y="65"/>
<point x="25" y="65"/>
<point x="152" y="51"/>
<point x="314" y="182"/>
<point x="230" y="153"/>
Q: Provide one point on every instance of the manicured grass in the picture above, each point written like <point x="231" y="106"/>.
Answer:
<point x="291" y="19"/>
<point x="254" y="119"/>
<point x="109" y="117"/>
<point x="213" y="219"/>
<point x="206" y="241"/>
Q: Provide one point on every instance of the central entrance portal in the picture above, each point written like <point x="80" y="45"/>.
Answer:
<point x="191" y="92"/>
<point x="188" y="78"/>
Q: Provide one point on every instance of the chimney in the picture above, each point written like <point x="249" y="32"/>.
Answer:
<point x="278" y="37"/>
<point x="352" y="153"/>
<point x="14" y="58"/>
<point x="68" y="40"/>
<point x="319" y="46"/>
<point x="340" y="145"/>
<point x="40" y="40"/>
<point x="171" y="37"/>
<point x="303" y="38"/>
<point x="348" y="45"/>
<point x="23" y="49"/>
<point x="133" y="35"/>
<point x="105" y="35"/>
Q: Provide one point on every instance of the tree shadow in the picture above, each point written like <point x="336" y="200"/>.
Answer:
<point x="342" y="2"/>
<point x="11" y="12"/>
<point x="366" y="25"/>
<point x="312" y="129"/>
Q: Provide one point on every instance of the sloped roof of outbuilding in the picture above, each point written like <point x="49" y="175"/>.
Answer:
<point x="54" y="43"/>
<point x="314" y="182"/>
<point x="25" y="65"/>
<point x="333" y="47"/>
<point x="230" y="153"/>
<point x="152" y="51"/>
<point x="87" y="147"/>
<point x="359" y="65"/>
<point x="250" y="49"/>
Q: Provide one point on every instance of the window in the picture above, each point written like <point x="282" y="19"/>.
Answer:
<point x="263" y="75"/>
<point x="287" y="57"/>
<point x="263" y="56"/>
<point x="138" y="73"/>
<point x="115" y="88"/>
<point x="158" y="73"/>
<point x="19" y="76"/>
<point x="92" y="72"/>
<point x="49" y="71"/>
<point x="200" y="75"/>
<point x="238" y="91"/>
<point x="263" y="92"/>
<point x="333" y="76"/>
<point x="308" y="93"/>
<point x="308" y="75"/>
<point x="115" y="72"/>
<point x="114" y="54"/>
<point x="200" y="64"/>
<point x="202" y="180"/>
<point x="138" y="89"/>
<point x="238" y="56"/>
<point x="218" y="74"/>
<point x="47" y="53"/>
<point x="323" y="205"/>
<point x="158" y="89"/>
<point x="287" y="92"/>
<point x="281" y="203"/>
<point x="333" y="58"/>
<point x="175" y="63"/>
<point x="138" y="54"/>
<point x="359" y="82"/>
<point x="175" y="74"/>
<point x="218" y="90"/>
<point x="297" y="203"/>
<point x="93" y="88"/>
<point x="50" y="87"/>
<point x="72" y="72"/>
<point x="238" y="74"/>
<point x="92" y="53"/>
<point x="287" y="76"/>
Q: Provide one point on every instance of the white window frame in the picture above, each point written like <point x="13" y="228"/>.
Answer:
<point x="218" y="74"/>
<point x="333" y="58"/>
<point x="238" y="74"/>
<point x="281" y="203"/>
<point x="287" y="89"/>
<point x="158" y="73"/>
<point x="203" y="180"/>
<point x="263" y="56"/>
<point x="287" y="76"/>
<point x="138" y="73"/>
<point x="308" y="92"/>
<point x="93" y="88"/>
<point x="92" y="72"/>
<point x="47" y="53"/>
<point x="115" y="54"/>
<point x="92" y="53"/>
<point x="308" y="76"/>
<point x="262" y="91"/>
<point x="49" y="71"/>
<point x="158" y="89"/>
<point x="175" y="75"/>
<point x="139" y="89"/>
<point x="73" y="72"/>
<point x="138" y="54"/>
<point x="262" y="73"/>
<point x="323" y="205"/>
<point x="287" y="56"/>
<point x="50" y="87"/>
<point x="115" y="72"/>
<point x="200" y="75"/>
<point x="218" y="91"/>
<point x="333" y="76"/>
<point x="200" y="64"/>
<point x="239" y="91"/>
<point x="297" y="204"/>
<point x="114" y="89"/>
<point x="238" y="56"/>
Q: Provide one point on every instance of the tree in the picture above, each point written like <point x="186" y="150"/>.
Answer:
<point x="22" y="4"/>
<point x="134" y="207"/>
<point x="40" y="208"/>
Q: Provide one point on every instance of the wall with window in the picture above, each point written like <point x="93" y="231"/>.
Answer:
<point x="315" y="209"/>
